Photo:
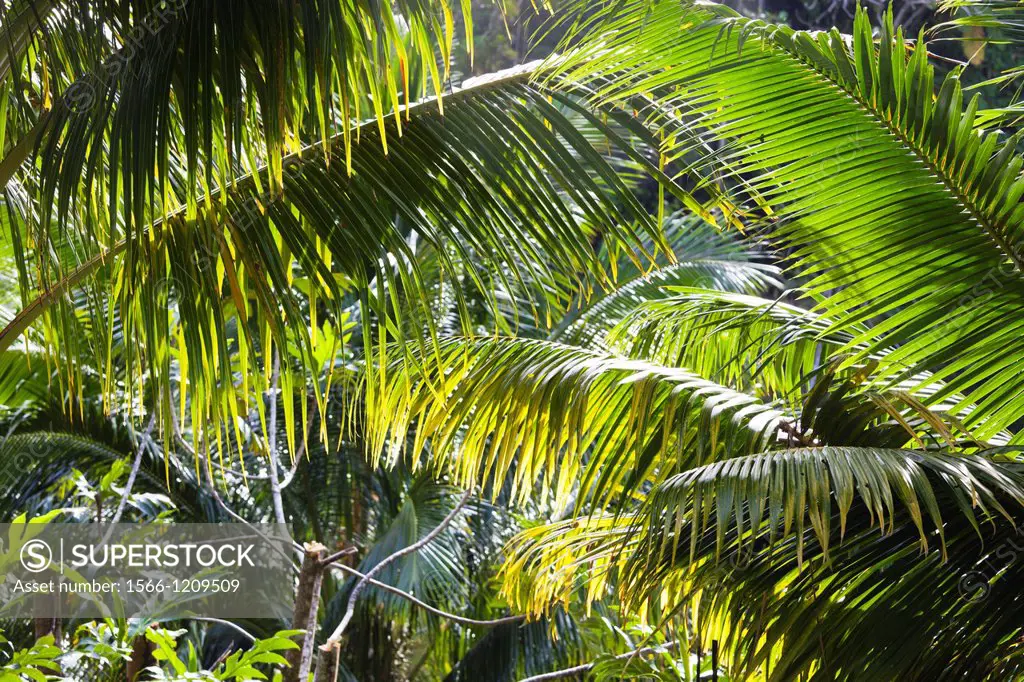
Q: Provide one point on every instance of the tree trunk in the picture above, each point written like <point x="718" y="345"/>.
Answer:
<point x="48" y="626"/>
<point x="307" y="599"/>
<point x="327" y="662"/>
<point x="142" y="658"/>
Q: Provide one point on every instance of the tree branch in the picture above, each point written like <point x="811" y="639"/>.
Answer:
<point x="213" y="486"/>
<point x="330" y="651"/>
<point x="275" y="485"/>
<point x="425" y="606"/>
<point x="219" y="621"/>
<point x="587" y="667"/>
<point x="307" y="600"/>
<point x="131" y="479"/>
<point x="391" y="558"/>
<point x="337" y="555"/>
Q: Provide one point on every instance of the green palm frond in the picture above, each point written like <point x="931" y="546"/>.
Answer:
<point x="778" y="351"/>
<point x="746" y="505"/>
<point x="34" y="463"/>
<point x="548" y="564"/>
<point x="873" y="586"/>
<point x="120" y="93"/>
<point x="510" y="651"/>
<point x="440" y="573"/>
<point x="978" y="23"/>
<point x="755" y="344"/>
<point x="230" y="76"/>
<point x="874" y="184"/>
<point x="251" y="208"/>
<point x="23" y="380"/>
<point x="767" y="547"/>
<point x="499" y="179"/>
<point x="580" y="422"/>
<point x="437" y="573"/>
<point x="1004" y="18"/>
<point x="898" y="619"/>
<point x="782" y="493"/>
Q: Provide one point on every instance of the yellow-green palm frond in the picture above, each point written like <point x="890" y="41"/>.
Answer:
<point x="584" y="424"/>
<point x="763" y="549"/>
<point x="498" y="180"/>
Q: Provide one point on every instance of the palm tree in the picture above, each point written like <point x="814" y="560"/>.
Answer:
<point x="194" y="198"/>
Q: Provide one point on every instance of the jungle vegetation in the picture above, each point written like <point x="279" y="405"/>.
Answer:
<point x="680" y="347"/>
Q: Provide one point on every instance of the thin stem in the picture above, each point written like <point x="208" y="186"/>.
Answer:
<point x="425" y="606"/>
<point x="337" y="555"/>
<point x="237" y="628"/>
<point x="300" y="451"/>
<point x="275" y="485"/>
<point x="587" y="667"/>
<point x="131" y="480"/>
<point x="391" y="558"/>
<point x="213" y="486"/>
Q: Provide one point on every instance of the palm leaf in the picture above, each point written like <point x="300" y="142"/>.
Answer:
<point x="498" y="179"/>
<point x="581" y="422"/>
<point x="754" y="344"/>
<point x="874" y="184"/>
<point x="765" y="548"/>
<point x="704" y="258"/>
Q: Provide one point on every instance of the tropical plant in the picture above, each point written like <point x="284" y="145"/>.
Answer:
<point x="713" y="316"/>
<point x="748" y="490"/>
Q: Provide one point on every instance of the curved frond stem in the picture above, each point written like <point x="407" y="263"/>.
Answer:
<point x="575" y="421"/>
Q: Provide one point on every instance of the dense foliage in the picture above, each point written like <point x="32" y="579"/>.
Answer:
<point x="683" y="351"/>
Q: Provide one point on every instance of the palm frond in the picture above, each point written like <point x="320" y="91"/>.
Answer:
<point x="704" y="258"/>
<point x="509" y="651"/>
<point x="873" y="587"/>
<point x="580" y="422"/>
<point x="215" y="82"/>
<point x="765" y="548"/>
<point x="499" y="179"/>
<point x="978" y="23"/>
<point x="755" y="344"/>
<point x="34" y="462"/>
<point x="551" y="564"/>
<point x="795" y="489"/>
<point x="876" y="185"/>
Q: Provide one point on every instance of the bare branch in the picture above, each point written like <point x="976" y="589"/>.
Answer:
<point x="237" y="628"/>
<point x="307" y="600"/>
<point x="213" y="486"/>
<point x="587" y="667"/>
<point x="337" y="555"/>
<point x="275" y="485"/>
<point x="300" y="451"/>
<point x="416" y="546"/>
<point x="425" y="606"/>
<point x="131" y="479"/>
